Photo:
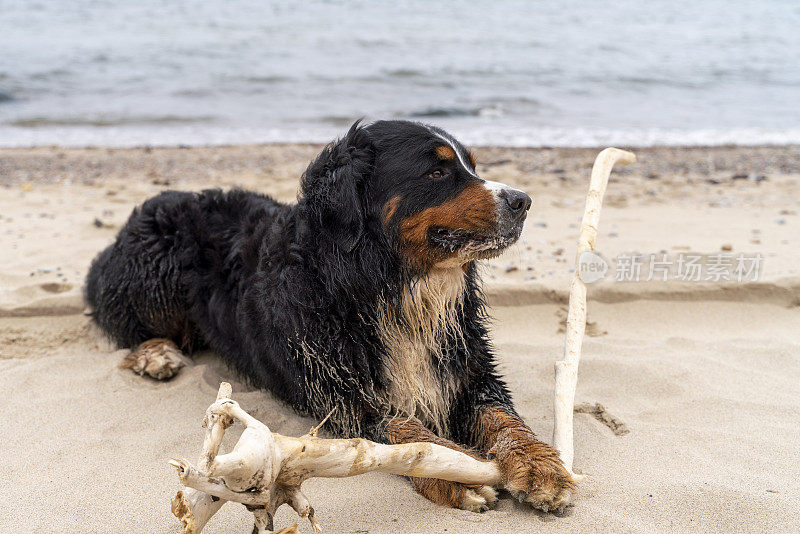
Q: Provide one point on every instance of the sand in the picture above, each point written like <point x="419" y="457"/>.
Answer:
<point x="704" y="375"/>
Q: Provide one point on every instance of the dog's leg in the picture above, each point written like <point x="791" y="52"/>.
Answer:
<point x="475" y="498"/>
<point x="159" y="358"/>
<point x="482" y="416"/>
<point x="532" y="470"/>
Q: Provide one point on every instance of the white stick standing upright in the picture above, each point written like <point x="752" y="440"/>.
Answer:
<point x="567" y="369"/>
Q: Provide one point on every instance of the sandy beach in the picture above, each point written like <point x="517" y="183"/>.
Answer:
<point x="704" y="373"/>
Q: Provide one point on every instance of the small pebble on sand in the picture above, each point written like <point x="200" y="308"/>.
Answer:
<point x="726" y="247"/>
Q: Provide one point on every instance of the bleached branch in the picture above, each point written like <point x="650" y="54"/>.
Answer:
<point x="567" y="369"/>
<point x="265" y="470"/>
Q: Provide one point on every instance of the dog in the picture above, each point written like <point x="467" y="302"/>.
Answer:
<point x="363" y="298"/>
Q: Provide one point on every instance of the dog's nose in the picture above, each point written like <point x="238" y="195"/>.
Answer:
<point x="517" y="200"/>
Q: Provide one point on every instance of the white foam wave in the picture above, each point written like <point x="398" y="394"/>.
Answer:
<point x="203" y="135"/>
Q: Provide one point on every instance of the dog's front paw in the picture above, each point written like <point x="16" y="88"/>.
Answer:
<point x="478" y="499"/>
<point x="474" y="498"/>
<point x="532" y="472"/>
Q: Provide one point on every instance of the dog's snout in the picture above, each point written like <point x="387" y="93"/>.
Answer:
<point x="517" y="200"/>
<point x="513" y="204"/>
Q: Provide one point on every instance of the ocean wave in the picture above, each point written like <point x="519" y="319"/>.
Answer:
<point x="403" y="73"/>
<point x="443" y="112"/>
<point x="101" y="122"/>
<point x="598" y="137"/>
<point x="201" y="134"/>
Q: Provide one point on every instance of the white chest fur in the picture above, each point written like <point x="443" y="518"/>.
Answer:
<point x="413" y="336"/>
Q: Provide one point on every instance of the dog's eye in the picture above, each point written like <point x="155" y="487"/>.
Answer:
<point x="436" y="175"/>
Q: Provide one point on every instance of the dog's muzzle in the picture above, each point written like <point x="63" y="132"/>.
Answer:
<point x="512" y="207"/>
<point x="517" y="203"/>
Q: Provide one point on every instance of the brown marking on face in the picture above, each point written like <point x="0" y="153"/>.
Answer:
<point x="526" y="463"/>
<point x="445" y="153"/>
<point x="472" y="210"/>
<point x="389" y="209"/>
<point x="471" y="157"/>
<point x="444" y="492"/>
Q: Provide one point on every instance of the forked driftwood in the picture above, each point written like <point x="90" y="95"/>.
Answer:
<point x="567" y="369"/>
<point x="265" y="470"/>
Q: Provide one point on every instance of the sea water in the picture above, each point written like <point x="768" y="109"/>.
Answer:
<point x="506" y="72"/>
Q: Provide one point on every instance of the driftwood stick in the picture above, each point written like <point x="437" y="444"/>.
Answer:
<point x="266" y="470"/>
<point x="193" y="507"/>
<point x="191" y="477"/>
<point x="337" y="458"/>
<point x="567" y="369"/>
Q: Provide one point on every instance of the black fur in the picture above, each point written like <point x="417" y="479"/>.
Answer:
<point x="290" y="294"/>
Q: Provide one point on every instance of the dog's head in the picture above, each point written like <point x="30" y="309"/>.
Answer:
<point x="416" y="185"/>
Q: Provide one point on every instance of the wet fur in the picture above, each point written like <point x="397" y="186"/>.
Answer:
<point x="474" y="497"/>
<point x="413" y="334"/>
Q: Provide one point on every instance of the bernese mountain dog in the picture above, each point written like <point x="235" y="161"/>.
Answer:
<point x="363" y="298"/>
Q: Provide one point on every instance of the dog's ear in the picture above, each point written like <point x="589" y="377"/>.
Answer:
<point x="333" y="186"/>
